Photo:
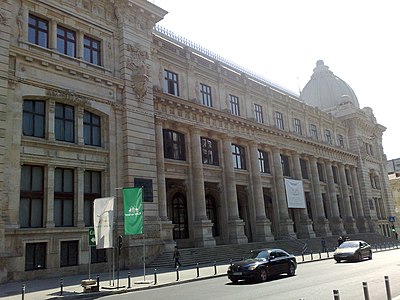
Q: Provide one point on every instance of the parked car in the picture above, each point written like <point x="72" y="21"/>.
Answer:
<point x="263" y="264"/>
<point x="353" y="250"/>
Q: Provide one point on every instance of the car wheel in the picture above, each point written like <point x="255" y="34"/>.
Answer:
<point x="291" y="270"/>
<point x="262" y="275"/>
<point x="337" y="260"/>
<point x="370" y="255"/>
<point x="360" y="257"/>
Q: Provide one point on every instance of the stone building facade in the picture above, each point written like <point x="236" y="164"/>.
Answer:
<point x="95" y="97"/>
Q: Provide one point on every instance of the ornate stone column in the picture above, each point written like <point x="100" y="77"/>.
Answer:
<point x="263" y="225"/>
<point x="320" y="222"/>
<point x="235" y="224"/>
<point x="304" y="225"/>
<point x="202" y="226"/>
<point x="285" y="227"/>
<point x="50" y="197"/>
<point x="336" y="221"/>
<point x="349" y="222"/>
<point x="361" y="222"/>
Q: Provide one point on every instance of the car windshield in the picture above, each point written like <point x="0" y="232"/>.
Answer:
<point x="350" y="244"/>
<point x="259" y="255"/>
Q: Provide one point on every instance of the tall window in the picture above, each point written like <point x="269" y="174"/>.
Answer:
<point x="64" y="197"/>
<point x="174" y="145"/>
<point x="66" y="41"/>
<point x="171" y="83"/>
<point x="258" y="112"/>
<point x="348" y="176"/>
<point x="31" y="196"/>
<point x="92" y="190"/>
<point x="313" y="132"/>
<point x="328" y="136"/>
<point x="209" y="151"/>
<point x="179" y="217"/>
<point x="340" y="140"/>
<point x="205" y="91"/>
<point x="34" y="119"/>
<point x="38" y="31"/>
<point x="91" y="50"/>
<point x="335" y="174"/>
<point x="212" y="214"/>
<point x="320" y="172"/>
<point x="35" y="256"/>
<point x="69" y="253"/>
<point x="297" y="126"/>
<point x="64" y="122"/>
<point x="279" y="120"/>
<point x="285" y="165"/>
<point x="91" y="129"/>
<point x="263" y="161"/>
<point x="234" y="101"/>
<point x="238" y="156"/>
<point x="304" y="169"/>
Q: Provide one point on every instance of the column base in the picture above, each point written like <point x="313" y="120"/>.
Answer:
<point x="263" y="231"/>
<point x="236" y="232"/>
<point x="322" y="227"/>
<point x="362" y="225"/>
<point x="166" y="234"/>
<point x="337" y="226"/>
<point x="203" y="234"/>
<point x="350" y="225"/>
<point x="305" y="230"/>
<point x="286" y="228"/>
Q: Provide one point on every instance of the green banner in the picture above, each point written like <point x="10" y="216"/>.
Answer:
<point x="92" y="238"/>
<point x="133" y="211"/>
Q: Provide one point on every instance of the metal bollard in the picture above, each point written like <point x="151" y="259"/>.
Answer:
<point x="336" y="295"/>
<point x="319" y="255"/>
<point x="231" y="261"/>
<point x="327" y="253"/>
<point x="98" y="282"/>
<point x="177" y="273"/>
<point x="197" y="270"/>
<point x="23" y="292"/>
<point x="312" y="257"/>
<point x="302" y="257"/>
<point x="388" y="293"/>
<point x="61" y="286"/>
<point x="365" y="288"/>
<point x="215" y="268"/>
<point x="155" y="276"/>
<point x="129" y="280"/>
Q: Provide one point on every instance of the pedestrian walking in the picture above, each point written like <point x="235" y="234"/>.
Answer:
<point x="177" y="257"/>
<point x="323" y="245"/>
<point x="340" y="241"/>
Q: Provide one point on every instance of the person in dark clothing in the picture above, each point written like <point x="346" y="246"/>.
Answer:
<point x="177" y="257"/>
<point x="323" y="245"/>
<point x="340" y="241"/>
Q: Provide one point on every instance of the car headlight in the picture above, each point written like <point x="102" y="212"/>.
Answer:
<point x="251" y="268"/>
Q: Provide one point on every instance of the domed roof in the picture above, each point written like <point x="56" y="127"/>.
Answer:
<point x="325" y="90"/>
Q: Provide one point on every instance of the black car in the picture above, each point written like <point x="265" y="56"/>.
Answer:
<point x="263" y="264"/>
<point x="353" y="250"/>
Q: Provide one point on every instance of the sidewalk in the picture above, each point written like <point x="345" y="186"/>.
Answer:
<point x="51" y="289"/>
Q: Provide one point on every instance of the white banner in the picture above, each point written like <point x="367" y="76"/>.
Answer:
<point x="103" y="222"/>
<point x="295" y="193"/>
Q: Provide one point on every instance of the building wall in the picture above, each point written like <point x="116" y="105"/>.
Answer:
<point x="193" y="203"/>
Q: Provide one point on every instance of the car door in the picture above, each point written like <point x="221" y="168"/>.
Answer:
<point x="282" y="262"/>
<point x="273" y="263"/>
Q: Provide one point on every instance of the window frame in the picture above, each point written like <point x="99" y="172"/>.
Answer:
<point x="31" y="119"/>
<point x="328" y="136"/>
<point x="279" y="123"/>
<point x="174" y="145"/>
<point x="238" y="157"/>
<point x="36" y="30"/>
<point x="64" y="123"/>
<point x="258" y="113"/>
<point x="297" y="126"/>
<point x="206" y="97"/>
<point x="285" y="164"/>
<point x="234" y="104"/>
<point x="209" y="151"/>
<point x="72" y="246"/>
<point x="304" y="169"/>
<point x="64" y="196"/>
<point x="91" y="129"/>
<point x="314" y="132"/>
<point x="91" y="54"/>
<point x="92" y="190"/>
<point x="35" y="256"/>
<point x="171" y="82"/>
<point x="263" y="161"/>
<point x="64" y="41"/>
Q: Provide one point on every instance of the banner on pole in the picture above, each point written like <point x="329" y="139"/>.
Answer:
<point x="133" y="210"/>
<point x="103" y="222"/>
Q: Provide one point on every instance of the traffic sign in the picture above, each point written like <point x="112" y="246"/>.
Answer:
<point x="392" y="219"/>
<point x="92" y="239"/>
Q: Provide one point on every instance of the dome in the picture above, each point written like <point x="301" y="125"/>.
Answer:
<point x="326" y="91"/>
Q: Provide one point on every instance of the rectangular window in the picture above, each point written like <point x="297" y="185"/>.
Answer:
<point x="238" y="156"/>
<point x="147" y="185"/>
<point x="91" y="129"/>
<point x="209" y="151"/>
<point x="348" y="177"/>
<point x="205" y="91"/>
<point x="279" y="120"/>
<point x="258" y="113"/>
<point x="31" y="196"/>
<point x="69" y="253"/>
<point x="171" y="83"/>
<point x="92" y="190"/>
<point x="35" y="256"/>
<point x="98" y="255"/>
<point x="297" y="126"/>
<point x="285" y="165"/>
<point x="313" y="132"/>
<point x="174" y="145"/>
<point x="320" y="168"/>
<point x="91" y="51"/>
<point x="304" y="169"/>
<point x="335" y="174"/>
<point x="328" y="136"/>
<point x="340" y="140"/>
<point x="34" y="118"/>
<point x="263" y="161"/>
<point x="64" y="123"/>
<point x="38" y="31"/>
<point x="66" y="41"/>
<point x="64" y="197"/>
<point x="234" y="102"/>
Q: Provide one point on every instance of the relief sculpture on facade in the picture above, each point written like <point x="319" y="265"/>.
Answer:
<point x="137" y="64"/>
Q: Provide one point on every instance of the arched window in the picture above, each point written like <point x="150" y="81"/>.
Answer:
<point x="211" y="208"/>
<point x="179" y="217"/>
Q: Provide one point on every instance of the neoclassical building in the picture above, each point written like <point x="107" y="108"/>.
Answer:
<point x="95" y="97"/>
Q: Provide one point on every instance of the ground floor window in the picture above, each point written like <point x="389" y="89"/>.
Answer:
<point x="179" y="217"/>
<point x="211" y="208"/>
<point x="35" y="256"/>
<point x="98" y="255"/>
<point x="69" y="253"/>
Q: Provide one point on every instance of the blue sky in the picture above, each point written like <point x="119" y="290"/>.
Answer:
<point x="282" y="41"/>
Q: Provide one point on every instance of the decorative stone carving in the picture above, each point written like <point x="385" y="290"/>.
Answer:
<point x="67" y="95"/>
<point x="3" y="19"/>
<point x="139" y="68"/>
